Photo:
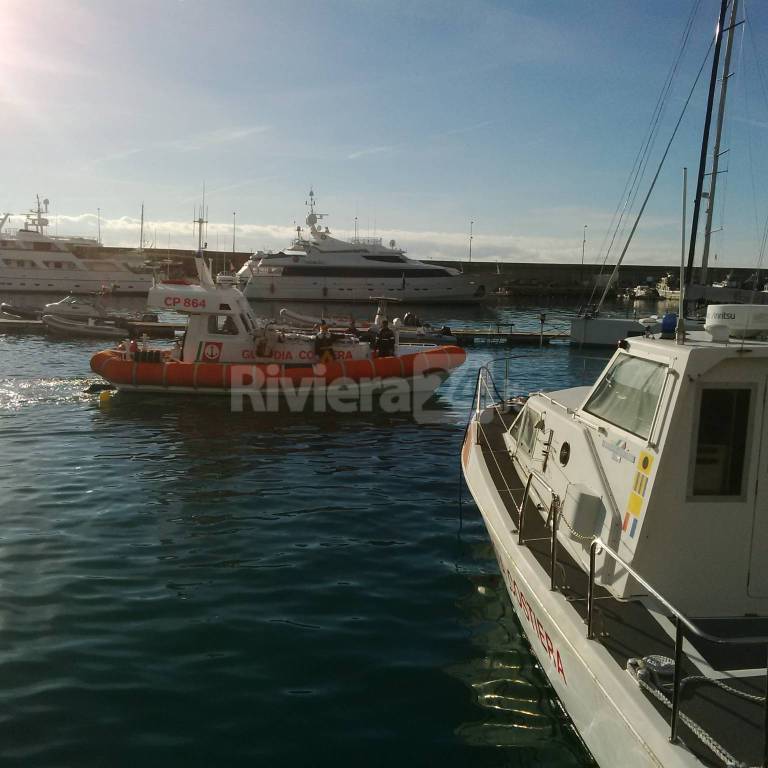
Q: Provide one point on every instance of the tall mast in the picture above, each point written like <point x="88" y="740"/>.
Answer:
<point x="718" y="133"/>
<point x="141" y="231"/>
<point x="705" y="141"/>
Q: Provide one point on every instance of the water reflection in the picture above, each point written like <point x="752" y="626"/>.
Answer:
<point x="517" y="709"/>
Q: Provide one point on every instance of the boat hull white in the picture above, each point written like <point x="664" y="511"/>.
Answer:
<point x="79" y="282"/>
<point x="612" y="715"/>
<point x="606" y="331"/>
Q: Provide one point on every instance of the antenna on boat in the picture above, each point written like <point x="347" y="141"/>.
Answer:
<point x="37" y="216"/>
<point x="98" y="226"/>
<point x="313" y="217"/>
<point x="201" y="221"/>
<point x="471" y="237"/>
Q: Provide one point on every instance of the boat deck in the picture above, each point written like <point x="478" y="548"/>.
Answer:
<point x="628" y="630"/>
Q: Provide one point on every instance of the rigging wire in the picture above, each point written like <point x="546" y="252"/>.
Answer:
<point x="632" y="184"/>
<point x="764" y="89"/>
<point x="655" y="178"/>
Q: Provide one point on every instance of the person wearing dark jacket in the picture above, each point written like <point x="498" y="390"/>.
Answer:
<point x="385" y="341"/>
<point x="324" y="344"/>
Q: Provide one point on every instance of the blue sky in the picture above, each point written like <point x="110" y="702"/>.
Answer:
<point x="413" y="116"/>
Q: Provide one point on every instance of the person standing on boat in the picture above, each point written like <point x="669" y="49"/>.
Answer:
<point x="352" y="329"/>
<point x="385" y="341"/>
<point x="324" y="343"/>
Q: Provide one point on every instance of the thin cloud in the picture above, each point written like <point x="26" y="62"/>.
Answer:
<point x="370" y="151"/>
<point x="211" y="138"/>
<point x="750" y="121"/>
<point x="193" y="143"/>
<point x="466" y="129"/>
<point x="116" y="156"/>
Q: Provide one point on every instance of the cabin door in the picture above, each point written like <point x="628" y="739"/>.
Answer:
<point x="758" y="565"/>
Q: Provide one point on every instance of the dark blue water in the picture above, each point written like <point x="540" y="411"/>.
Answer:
<point x="185" y="586"/>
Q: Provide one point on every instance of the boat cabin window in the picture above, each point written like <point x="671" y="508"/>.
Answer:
<point x="627" y="394"/>
<point x="524" y="430"/>
<point x="721" y="443"/>
<point x="224" y="324"/>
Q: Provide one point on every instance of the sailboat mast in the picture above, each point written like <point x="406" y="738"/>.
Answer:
<point x="141" y="231"/>
<point x="718" y="134"/>
<point x="705" y="142"/>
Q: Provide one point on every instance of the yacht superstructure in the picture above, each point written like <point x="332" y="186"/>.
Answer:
<point x="320" y="267"/>
<point x="33" y="261"/>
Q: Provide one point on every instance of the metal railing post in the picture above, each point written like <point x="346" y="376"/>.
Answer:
<point x="555" y="508"/>
<point x="591" y="589"/>
<point x="676" y="679"/>
<point x="765" y="719"/>
<point x="521" y="510"/>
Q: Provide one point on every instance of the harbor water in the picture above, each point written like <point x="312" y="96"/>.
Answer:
<point x="184" y="585"/>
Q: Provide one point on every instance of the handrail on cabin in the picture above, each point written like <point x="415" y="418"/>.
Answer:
<point x="682" y="623"/>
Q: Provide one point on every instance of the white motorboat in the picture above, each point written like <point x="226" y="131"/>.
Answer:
<point x="668" y="287"/>
<point x="321" y="267"/>
<point x="630" y="523"/>
<point x="76" y="307"/>
<point x="645" y="293"/>
<point x="33" y="261"/>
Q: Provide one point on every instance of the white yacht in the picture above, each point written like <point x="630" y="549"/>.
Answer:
<point x="320" y="267"/>
<point x="33" y="261"/>
<point x="630" y="523"/>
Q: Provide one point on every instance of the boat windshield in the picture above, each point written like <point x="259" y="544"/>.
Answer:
<point x="627" y="394"/>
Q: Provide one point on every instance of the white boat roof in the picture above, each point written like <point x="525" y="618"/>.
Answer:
<point x="694" y="342"/>
<point x="570" y="398"/>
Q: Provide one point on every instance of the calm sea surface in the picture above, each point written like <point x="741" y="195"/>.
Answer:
<point x="184" y="586"/>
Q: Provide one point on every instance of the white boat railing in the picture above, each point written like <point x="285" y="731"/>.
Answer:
<point x="683" y="624"/>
